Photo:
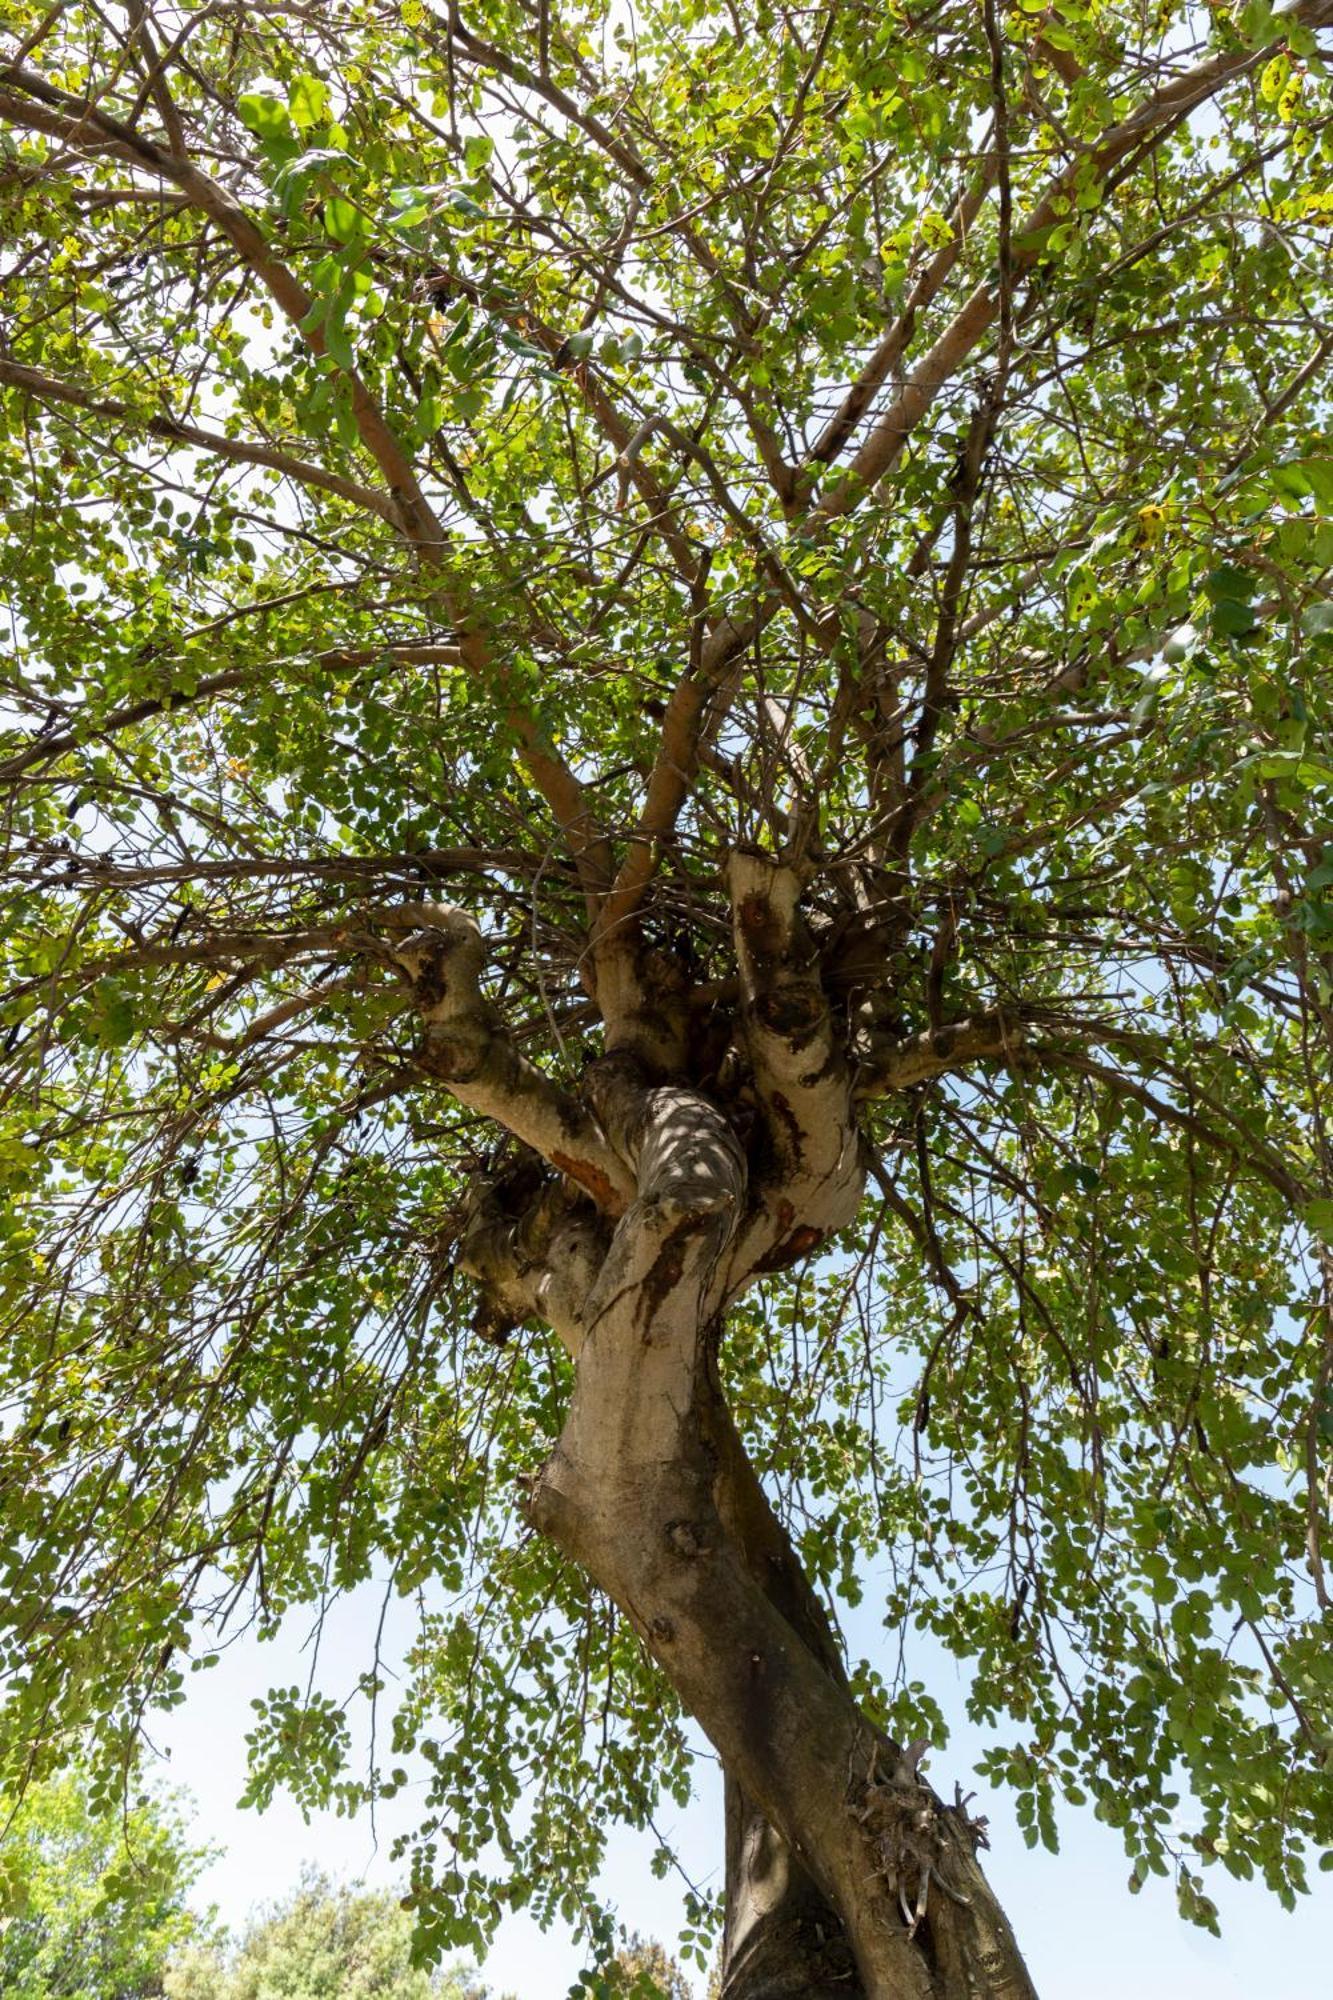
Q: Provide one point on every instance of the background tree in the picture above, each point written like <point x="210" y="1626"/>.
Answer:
<point x="666" y="922"/>
<point x="647" y="1972"/>
<point x="323" y="1942"/>
<point x="92" y="1893"/>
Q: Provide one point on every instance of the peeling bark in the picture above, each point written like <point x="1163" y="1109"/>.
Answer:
<point x="810" y="1175"/>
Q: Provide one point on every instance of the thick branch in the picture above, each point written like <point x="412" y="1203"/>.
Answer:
<point x="467" y="1047"/>
<point x="888" y="1065"/>
<point x="811" y="1179"/>
<point x="894" y="344"/>
<point x="692" y="705"/>
<point x="536" y="1254"/>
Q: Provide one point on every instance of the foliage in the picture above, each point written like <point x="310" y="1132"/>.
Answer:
<point x="92" y="1893"/>
<point x="323" y="1942"/>
<point x="644" y="1971"/>
<point x="513" y="460"/>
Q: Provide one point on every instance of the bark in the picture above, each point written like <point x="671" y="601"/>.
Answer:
<point x="466" y="1046"/>
<point x="809" y="1165"/>
<point x="783" y="1938"/>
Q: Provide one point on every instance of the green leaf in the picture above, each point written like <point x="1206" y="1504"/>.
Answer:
<point x="308" y="102"/>
<point x="1295" y="766"/>
<point x="267" y="117"/>
<point x="336" y="338"/>
<point x="1318" y="1217"/>
<point x="344" y="220"/>
<point x="1230" y="584"/>
<point x="1235" y="620"/>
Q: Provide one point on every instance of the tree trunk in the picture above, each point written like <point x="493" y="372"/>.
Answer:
<point x="650" y="1491"/>
<point x="824" y="1816"/>
<point x="783" y="1938"/>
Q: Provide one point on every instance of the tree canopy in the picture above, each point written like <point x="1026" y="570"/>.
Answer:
<point x="787" y="551"/>
<point x="322" y="1942"/>
<point x="93" y="1892"/>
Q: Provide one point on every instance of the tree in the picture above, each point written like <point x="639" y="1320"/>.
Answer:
<point x="323" y="1942"/>
<point x="666" y="922"/>
<point x="92" y="1893"/>
<point x="647" y="1972"/>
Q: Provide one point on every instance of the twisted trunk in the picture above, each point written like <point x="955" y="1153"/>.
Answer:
<point x="641" y="1211"/>
<point x="649" y="1491"/>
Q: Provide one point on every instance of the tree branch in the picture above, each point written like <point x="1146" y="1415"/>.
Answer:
<point x="47" y="389"/>
<point x="894" y="344"/>
<point x="886" y="1066"/>
<point x="467" y="1047"/>
<point x="82" y="124"/>
<point x="534" y="1254"/>
<point x="44" y="750"/>
<point x="1133" y="136"/>
<point x="811" y="1176"/>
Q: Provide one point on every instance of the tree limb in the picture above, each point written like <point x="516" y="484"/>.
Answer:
<point x="173" y="431"/>
<point x="467" y="1047"/>
<point x="812" y="1161"/>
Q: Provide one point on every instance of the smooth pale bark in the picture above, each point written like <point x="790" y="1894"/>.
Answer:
<point x="640" y="1492"/>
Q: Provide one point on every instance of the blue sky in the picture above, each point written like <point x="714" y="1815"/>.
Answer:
<point x="1084" y="1936"/>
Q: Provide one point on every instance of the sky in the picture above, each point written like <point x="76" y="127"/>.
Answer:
<point x="1084" y="1936"/>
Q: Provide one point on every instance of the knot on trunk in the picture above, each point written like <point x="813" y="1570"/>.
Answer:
<point x="796" y="1013"/>
<point x="687" y="1538"/>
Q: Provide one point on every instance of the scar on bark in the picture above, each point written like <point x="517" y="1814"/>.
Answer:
<point x="599" y="1184"/>
<point x="783" y="1113"/>
<point x="665" y="1273"/>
